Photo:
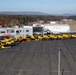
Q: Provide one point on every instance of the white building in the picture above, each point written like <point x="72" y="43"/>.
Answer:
<point x="35" y="30"/>
<point x="16" y="32"/>
<point x="22" y="31"/>
<point x="57" y="28"/>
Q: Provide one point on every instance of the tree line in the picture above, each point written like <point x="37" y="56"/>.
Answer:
<point x="11" y="20"/>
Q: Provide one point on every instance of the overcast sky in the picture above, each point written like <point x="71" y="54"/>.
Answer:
<point x="46" y="6"/>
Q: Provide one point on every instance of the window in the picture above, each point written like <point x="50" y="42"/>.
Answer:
<point x="53" y="27"/>
<point x="17" y="32"/>
<point x="27" y="30"/>
<point x="59" y="27"/>
<point x="10" y="31"/>
<point x="37" y="29"/>
<point x="2" y="31"/>
<point x="20" y="30"/>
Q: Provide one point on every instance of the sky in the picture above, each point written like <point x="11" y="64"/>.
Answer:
<point x="45" y="6"/>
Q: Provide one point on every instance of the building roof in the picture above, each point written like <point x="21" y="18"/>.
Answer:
<point x="57" y="25"/>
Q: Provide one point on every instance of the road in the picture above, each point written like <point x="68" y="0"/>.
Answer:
<point x="39" y="58"/>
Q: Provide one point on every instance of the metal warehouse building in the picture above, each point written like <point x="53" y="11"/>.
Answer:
<point x="57" y="28"/>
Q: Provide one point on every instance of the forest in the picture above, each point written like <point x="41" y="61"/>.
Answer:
<point x="19" y="20"/>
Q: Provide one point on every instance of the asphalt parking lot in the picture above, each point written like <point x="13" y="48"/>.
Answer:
<point x="39" y="58"/>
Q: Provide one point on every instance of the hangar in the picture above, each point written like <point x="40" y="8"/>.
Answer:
<point x="56" y="28"/>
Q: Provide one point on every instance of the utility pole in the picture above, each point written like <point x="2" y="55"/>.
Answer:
<point x="59" y="62"/>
